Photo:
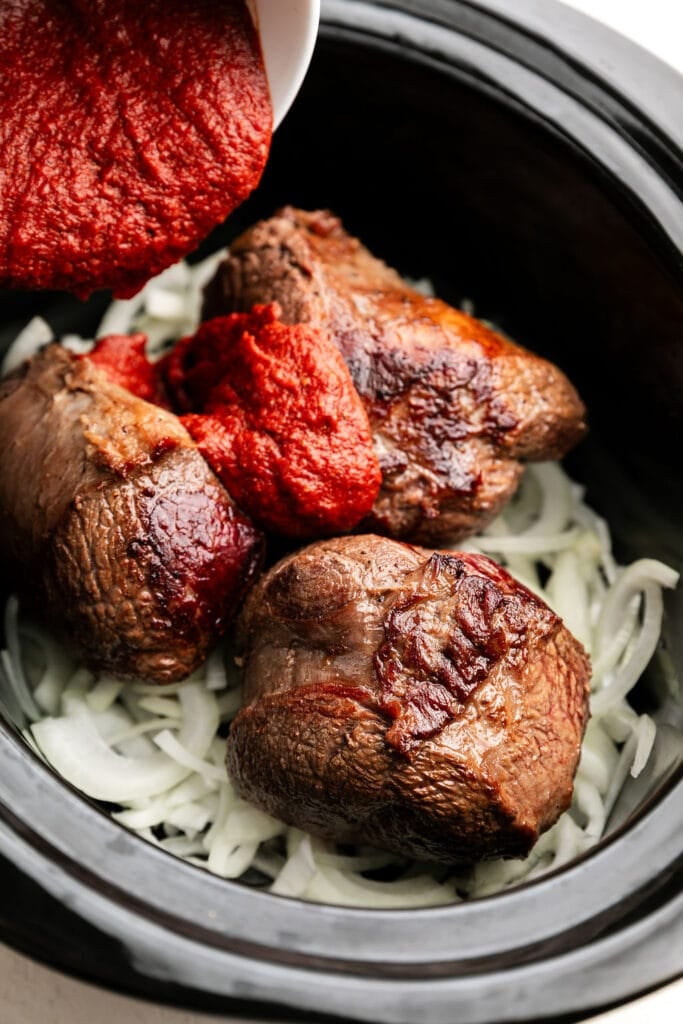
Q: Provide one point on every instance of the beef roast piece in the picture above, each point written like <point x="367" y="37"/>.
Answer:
<point x="113" y="524"/>
<point x="420" y="701"/>
<point x="454" y="407"/>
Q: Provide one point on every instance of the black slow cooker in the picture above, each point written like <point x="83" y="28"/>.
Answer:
<point x="526" y="158"/>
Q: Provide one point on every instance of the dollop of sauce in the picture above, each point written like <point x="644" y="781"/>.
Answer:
<point x="123" y="358"/>
<point x="277" y="417"/>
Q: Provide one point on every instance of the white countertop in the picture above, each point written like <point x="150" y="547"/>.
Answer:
<point x="33" y="994"/>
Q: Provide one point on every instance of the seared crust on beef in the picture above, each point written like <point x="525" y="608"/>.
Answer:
<point x="454" y="407"/>
<point x="420" y="701"/>
<point x="113" y="524"/>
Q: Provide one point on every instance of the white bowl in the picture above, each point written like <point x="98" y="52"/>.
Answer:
<point x="288" y="30"/>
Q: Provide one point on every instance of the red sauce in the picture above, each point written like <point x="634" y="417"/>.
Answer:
<point x="122" y="357"/>
<point x="128" y="130"/>
<point x="277" y="417"/>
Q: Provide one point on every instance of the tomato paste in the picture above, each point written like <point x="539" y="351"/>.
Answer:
<point x="124" y="360"/>
<point x="278" y="418"/>
<point x="128" y="130"/>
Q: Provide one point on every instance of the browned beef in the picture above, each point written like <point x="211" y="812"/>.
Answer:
<point x="420" y="701"/>
<point x="454" y="407"/>
<point x="112" y="522"/>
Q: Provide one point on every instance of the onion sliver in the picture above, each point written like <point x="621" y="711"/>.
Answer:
<point x="346" y="889"/>
<point x="75" y="749"/>
<point x="527" y="544"/>
<point x="36" y="334"/>
<point x="556" y="501"/>
<point x="175" y="749"/>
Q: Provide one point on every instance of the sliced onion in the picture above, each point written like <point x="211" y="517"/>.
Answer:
<point x="132" y="740"/>
<point x="490" y="877"/>
<point x="358" y="863"/>
<point x="599" y="756"/>
<point x="185" y="758"/>
<point x="537" y="545"/>
<point x="570" y="841"/>
<point x="588" y="799"/>
<point x="156" y="810"/>
<point x="227" y="798"/>
<point x="76" y="344"/>
<point x="619" y="722"/>
<point x="568" y="596"/>
<point x="249" y="824"/>
<point x="630" y="582"/>
<point x="191" y="818"/>
<point x="230" y="861"/>
<point x="346" y="889"/>
<point x="299" y="867"/>
<point x="104" y="693"/>
<point x="557" y="501"/>
<point x="161" y="706"/>
<point x="627" y="675"/>
<point x="163" y="304"/>
<point x="48" y="691"/>
<point x="34" y="336"/>
<point x="268" y="862"/>
<point x="202" y="272"/>
<point x="646" y="733"/>
<point x="215" y="675"/>
<point x="182" y="846"/>
<point x="76" y="750"/>
<point x="621" y="772"/>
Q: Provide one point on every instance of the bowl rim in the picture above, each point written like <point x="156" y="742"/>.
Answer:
<point x="263" y="944"/>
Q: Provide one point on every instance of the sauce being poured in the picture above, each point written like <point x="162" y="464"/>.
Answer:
<point x="128" y="130"/>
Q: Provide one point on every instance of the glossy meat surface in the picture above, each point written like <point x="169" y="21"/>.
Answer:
<point x="112" y="524"/>
<point x="455" y="408"/>
<point x="420" y="701"/>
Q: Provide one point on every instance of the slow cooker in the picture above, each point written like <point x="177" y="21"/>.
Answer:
<point x="531" y="161"/>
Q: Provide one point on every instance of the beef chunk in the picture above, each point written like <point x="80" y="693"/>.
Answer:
<point x="455" y="408"/>
<point x="420" y="701"/>
<point x="112" y="523"/>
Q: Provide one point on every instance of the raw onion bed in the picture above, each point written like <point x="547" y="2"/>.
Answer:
<point x="158" y="752"/>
